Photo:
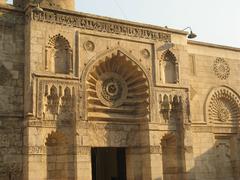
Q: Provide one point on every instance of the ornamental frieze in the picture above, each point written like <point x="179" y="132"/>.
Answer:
<point x="100" y="25"/>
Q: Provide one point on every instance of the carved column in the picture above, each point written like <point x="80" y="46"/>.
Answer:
<point x="70" y="63"/>
<point x="83" y="163"/>
<point x="177" y="72"/>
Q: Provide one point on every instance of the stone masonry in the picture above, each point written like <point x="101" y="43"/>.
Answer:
<point x="71" y="81"/>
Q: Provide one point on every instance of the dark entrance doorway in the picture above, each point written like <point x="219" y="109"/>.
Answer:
<point x="108" y="164"/>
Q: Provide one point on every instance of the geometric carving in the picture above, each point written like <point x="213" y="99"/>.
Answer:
<point x="11" y="170"/>
<point x="59" y="55"/>
<point x="111" y="89"/>
<point x="117" y="89"/>
<point x="223" y="105"/>
<point x="170" y="67"/>
<point x="89" y="46"/>
<point x="221" y="68"/>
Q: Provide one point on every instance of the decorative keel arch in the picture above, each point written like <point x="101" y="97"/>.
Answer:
<point x="222" y="106"/>
<point x="116" y="89"/>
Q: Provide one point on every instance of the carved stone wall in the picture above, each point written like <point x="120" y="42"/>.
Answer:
<point x="224" y="158"/>
<point x="91" y="81"/>
<point x="59" y="152"/>
<point x="170" y="152"/>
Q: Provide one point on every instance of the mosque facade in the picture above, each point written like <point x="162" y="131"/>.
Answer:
<point x="85" y="97"/>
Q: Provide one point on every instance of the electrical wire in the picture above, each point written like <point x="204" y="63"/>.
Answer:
<point x="122" y="11"/>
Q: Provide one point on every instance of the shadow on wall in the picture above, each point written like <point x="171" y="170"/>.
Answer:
<point x="221" y="162"/>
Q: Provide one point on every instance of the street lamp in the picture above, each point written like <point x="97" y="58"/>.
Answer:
<point x="191" y="35"/>
<point x="38" y="9"/>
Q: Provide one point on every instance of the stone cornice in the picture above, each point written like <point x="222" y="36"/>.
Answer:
<point x="211" y="45"/>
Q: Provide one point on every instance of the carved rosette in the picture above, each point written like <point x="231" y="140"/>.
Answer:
<point x="112" y="89"/>
<point x="117" y="89"/>
<point x="223" y="106"/>
<point x="221" y="68"/>
<point x="89" y="46"/>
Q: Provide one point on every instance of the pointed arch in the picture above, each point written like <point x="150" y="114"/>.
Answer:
<point x="59" y="55"/>
<point x="116" y="88"/>
<point x="58" y="37"/>
<point x="170" y="67"/>
<point x="110" y="53"/>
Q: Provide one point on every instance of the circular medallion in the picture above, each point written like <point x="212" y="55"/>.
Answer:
<point x="223" y="114"/>
<point x="89" y="46"/>
<point x="221" y="68"/>
<point x="111" y="89"/>
<point x="145" y="53"/>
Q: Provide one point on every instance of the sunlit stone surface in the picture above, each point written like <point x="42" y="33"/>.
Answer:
<point x="86" y="97"/>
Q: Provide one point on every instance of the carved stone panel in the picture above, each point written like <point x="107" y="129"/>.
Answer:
<point x="56" y="99"/>
<point x="117" y="89"/>
<point x="112" y="135"/>
<point x="223" y="106"/>
<point x="170" y="107"/>
<point x="221" y="68"/>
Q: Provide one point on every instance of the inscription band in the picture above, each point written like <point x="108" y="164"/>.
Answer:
<point x="100" y="26"/>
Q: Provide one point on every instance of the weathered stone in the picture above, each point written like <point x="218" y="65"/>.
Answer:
<point x="71" y="83"/>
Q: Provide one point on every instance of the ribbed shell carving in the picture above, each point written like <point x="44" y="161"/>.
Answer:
<point x="117" y="89"/>
<point x="224" y="106"/>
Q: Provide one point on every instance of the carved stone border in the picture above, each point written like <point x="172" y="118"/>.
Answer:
<point x="99" y="25"/>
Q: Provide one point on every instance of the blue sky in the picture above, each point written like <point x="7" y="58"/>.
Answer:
<point x="214" y="21"/>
